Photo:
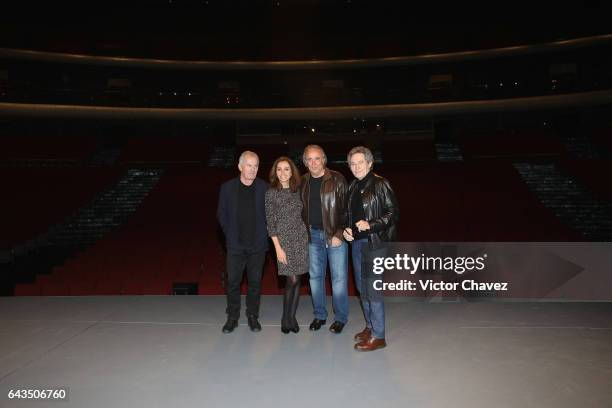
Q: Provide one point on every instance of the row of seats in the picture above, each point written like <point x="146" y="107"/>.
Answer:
<point x="163" y="243"/>
<point x="528" y="142"/>
<point x="35" y="198"/>
<point x="480" y="201"/>
<point x="593" y="174"/>
<point x="164" y="150"/>
<point x="47" y="147"/>
<point x="511" y="143"/>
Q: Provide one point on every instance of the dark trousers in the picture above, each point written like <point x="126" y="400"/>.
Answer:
<point x="237" y="261"/>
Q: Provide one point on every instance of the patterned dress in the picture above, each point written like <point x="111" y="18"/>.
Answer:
<point x="284" y="218"/>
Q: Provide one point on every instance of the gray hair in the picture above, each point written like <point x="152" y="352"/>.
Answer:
<point x="314" y="146"/>
<point x="367" y="153"/>
<point x="245" y="154"/>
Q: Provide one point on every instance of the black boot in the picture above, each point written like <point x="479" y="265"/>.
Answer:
<point x="295" y="299"/>
<point x="287" y="297"/>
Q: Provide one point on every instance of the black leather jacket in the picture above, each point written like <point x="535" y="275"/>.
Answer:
<point x="333" y="203"/>
<point x="379" y="206"/>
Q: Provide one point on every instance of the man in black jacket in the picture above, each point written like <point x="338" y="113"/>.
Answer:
<point x="372" y="217"/>
<point x="241" y="213"/>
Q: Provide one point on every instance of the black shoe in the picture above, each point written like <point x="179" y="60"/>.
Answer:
<point x="253" y="323"/>
<point x="336" y="327"/>
<point x="295" y="327"/>
<point x="285" y="328"/>
<point x="230" y="325"/>
<point x="316" y="324"/>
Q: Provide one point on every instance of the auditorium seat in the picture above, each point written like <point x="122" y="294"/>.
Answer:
<point x="27" y="289"/>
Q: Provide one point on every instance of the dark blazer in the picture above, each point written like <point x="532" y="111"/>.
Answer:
<point x="227" y="214"/>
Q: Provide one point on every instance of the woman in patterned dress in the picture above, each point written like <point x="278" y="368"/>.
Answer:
<point x="288" y="233"/>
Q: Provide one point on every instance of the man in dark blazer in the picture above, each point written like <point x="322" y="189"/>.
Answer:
<point x="241" y="213"/>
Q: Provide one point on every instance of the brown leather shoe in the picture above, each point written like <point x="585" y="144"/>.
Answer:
<point x="371" y="344"/>
<point x="363" y="335"/>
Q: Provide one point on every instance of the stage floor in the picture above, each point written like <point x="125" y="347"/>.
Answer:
<point x="169" y="351"/>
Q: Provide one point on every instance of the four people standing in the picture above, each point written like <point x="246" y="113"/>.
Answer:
<point x="308" y="220"/>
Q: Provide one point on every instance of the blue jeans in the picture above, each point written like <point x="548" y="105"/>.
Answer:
<point x="373" y="311"/>
<point x="320" y="253"/>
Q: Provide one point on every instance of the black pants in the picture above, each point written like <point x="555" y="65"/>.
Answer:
<point x="236" y="263"/>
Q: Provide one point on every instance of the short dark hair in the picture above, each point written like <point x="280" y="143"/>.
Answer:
<point x="294" y="181"/>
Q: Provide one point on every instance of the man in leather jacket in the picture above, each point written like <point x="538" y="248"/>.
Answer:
<point x="372" y="220"/>
<point x="323" y="193"/>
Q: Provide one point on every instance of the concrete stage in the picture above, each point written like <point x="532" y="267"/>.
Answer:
<point x="169" y="351"/>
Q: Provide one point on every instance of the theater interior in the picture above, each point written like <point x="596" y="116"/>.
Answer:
<point x="118" y="127"/>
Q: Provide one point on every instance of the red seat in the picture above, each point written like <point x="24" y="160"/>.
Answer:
<point x="82" y="288"/>
<point x="27" y="289"/>
<point x="107" y="287"/>
<point x="55" y="289"/>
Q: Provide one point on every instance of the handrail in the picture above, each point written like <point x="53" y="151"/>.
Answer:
<point x="580" y="99"/>
<point x="527" y="49"/>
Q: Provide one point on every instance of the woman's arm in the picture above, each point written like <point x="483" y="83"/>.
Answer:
<point x="280" y="252"/>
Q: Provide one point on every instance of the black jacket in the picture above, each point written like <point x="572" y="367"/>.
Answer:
<point x="333" y="203"/>
<point x="379" y="206"/>
<point x="228" y="217"/>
